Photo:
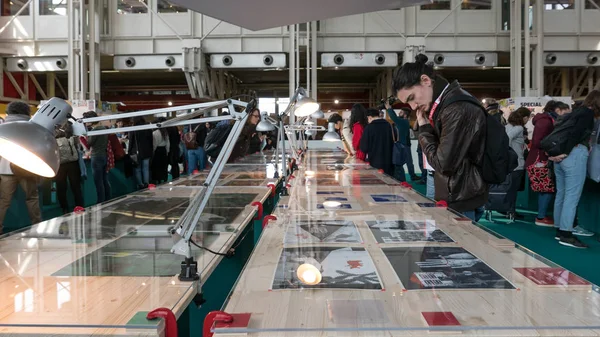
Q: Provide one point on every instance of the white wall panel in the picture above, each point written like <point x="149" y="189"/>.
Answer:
<point x="52" y="48"/>
<point x="374" y="24"/>
<point x="167" y="46"/>
<point x="21" y="28"/>
<point x="107" y="47"/>
<point x="476" y="21"/>
<point x="556" y="43"/>
<point x="503" y="42"/>
<point x="197" y="19"/>
<point x="344" y="25"/>
<point x="51" y="27"/>
<point x="590" y="21"/>
<point x="272" y="31"/>
<point x="181" y="23"/>
<point x="564" y="21"/>
<point x="428" y="19"/>
<point x="340" y="44"/>
<point x="131" y="25"/>
<point x="440" y="43"/>
<point x="262" y="45"/>
<point x="590" y="42"/>
<point x="224" y="28"/>
<point x="129" y="47"/>
<point x="21" y="49"/>
<point x="482" y="43"/>
<point x="216" y="45"/>
<point x="382" y="44"/>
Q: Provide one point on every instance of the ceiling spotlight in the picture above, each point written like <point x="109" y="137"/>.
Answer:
<point x="170" y="103"/>
<point x="337" y="101"/>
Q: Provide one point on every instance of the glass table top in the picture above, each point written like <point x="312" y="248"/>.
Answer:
<point x="393" y="265"/>
<point x="92" y="273"/>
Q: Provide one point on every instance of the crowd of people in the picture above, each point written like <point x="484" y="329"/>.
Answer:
<point x="460" y="148"/>
<point x="149" y="156"/>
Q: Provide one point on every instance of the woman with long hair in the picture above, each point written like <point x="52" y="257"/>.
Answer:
<point x="570" y="166"/>
<point x="358" y="121"/>
<point x="160" y="160"/>
<point x="514" y="129"/>
<point x="140" y="151"/>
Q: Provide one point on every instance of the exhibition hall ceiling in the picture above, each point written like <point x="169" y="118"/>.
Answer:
<point x="264" y="14"/>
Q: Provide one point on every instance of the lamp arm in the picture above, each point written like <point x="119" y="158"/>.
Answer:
<point x="299" y="91"/>
<point x="189" y="220"/>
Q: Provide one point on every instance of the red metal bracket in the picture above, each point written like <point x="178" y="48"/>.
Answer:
<point x="405" y="184"/>
<point x="441" y="203"/>
<point x="267" y="218"/>
<point x="170" y="320"/>
<point x="212" y="318"/>
<point x="151" y="187"/>
<point x="380" y="171"/>
<point x="78" y="210"/>
<point x="272" y="187"/>
<point x="260" y="210"/>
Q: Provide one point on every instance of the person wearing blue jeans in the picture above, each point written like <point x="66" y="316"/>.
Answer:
<point x="475" y="214"/>
<point x="142" y="173"/>
<point x="99" y="164"/>
<point x="430" y="184"/>
<point x="543" y="203"/>
<point x="196" y="159"/>
<point x="570" y="177"/>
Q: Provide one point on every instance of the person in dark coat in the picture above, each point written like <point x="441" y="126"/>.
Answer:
<point x="377" y="142"/>
<point x="140" y="150"/>
<point x="452" y="137"/>
<point x="243" y="143"/>
<point x="174" y="140"/>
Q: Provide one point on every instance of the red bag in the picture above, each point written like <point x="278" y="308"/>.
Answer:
<point x="540" y="177"/>
<point x="116" y="147"/>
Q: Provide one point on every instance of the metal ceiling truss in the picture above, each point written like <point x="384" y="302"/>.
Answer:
<point x="574" y="82"/>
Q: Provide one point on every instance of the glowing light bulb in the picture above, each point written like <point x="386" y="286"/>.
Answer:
<point x="337" y="101"/>
<point x="331" y="204"/>
<point x="309" y="274"/>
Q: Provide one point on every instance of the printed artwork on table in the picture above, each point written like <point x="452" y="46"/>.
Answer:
<point x="321" y="231"/>
<point x="329" y="192"/>
<point x="336" y="199"/>
<point x="443" y="268"/>
<point x="322" y="182"/>
<point x="388" y="198"/>
<point x="341" y="268"/>
<point x="342" y="206"/>
<point x="399" y="231"/>
<point x="364" y="181"/>
<point x="244" y="182"/>
<point x="425" y="204"/>
<point x="553" y="277"/>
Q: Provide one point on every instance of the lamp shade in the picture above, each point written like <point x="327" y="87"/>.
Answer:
<point x="264" y="126"/>
<point x="331" y="135"/>
<point x="31" y="147"/>
<point x="318" y="114"/>
<point x="309" y="274"/>
<point x="306" y="106"/>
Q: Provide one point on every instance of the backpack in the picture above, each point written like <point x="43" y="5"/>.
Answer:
<point x="499" y="160"/>
<point x="216" y="139"/>
<point x="67" y="150"/>
<point x="557" y="142"/>
<point x="189" y="139"/>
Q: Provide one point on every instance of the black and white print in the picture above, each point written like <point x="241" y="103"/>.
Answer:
<point x="399" y="231"/>
<point x="443" y="268"/>
<point x="341" y="268"/>
<point x="333" y="231"/>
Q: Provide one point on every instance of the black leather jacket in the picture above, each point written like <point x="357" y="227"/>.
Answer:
<point x="455" y="148"/>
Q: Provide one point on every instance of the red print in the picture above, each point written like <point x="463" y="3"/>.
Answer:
<point x="354" y="264"/>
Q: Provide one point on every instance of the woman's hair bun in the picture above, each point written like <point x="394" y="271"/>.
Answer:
<point x="421" y="58"/>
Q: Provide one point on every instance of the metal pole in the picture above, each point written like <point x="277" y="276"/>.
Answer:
<point x="518" y="48"/>
<point x="82" y="51"/>
<point x="539" y="48"/>
<point x="308" y="60"/>
<point x="70" y="55"/>
<point x="527" y="50"/>
<point x="292" y="63"/>
<point x="297" y="56"/>
<point x="92" y="45"/>
<point x="315" y="64"/>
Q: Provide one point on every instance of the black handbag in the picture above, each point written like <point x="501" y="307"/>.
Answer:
<point x="135" y="161"/>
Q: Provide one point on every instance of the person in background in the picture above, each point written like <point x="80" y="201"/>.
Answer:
<point x="377" y="142"/>
<point x="358" y="122"/>
<point x="18" y="111"/>
<point x="403" y="126"/>
<point x="248" y="132"/>
<point x="256" y="139"/>
<point x="174" y="140"/>
<point x="68" y="147"/>
<point x="346" y="134"/>
<point x="543" y="125"/>
<point x="493" y="109"/>
<point x="140" y="148"/>
<point x="338" y="122"/>
<point x="514" y="130"/>
<point x="98" y="146"/>
<point x="424" y="172"/>
<point x="571" y="168"/>
<point x="452" y="137"/>
<point x="160" y="158"/>
<point x="197" y="157"/>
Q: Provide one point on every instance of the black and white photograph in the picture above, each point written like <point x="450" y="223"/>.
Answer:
<point x="401" y="231"/>
<point x="340" y="268"/>
<point x="322" y="231"/>
<point x="443" y="268"/>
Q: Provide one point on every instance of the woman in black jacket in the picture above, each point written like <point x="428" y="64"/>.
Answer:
<point x="570" y="167"/>
<point x="140" y="151"/>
